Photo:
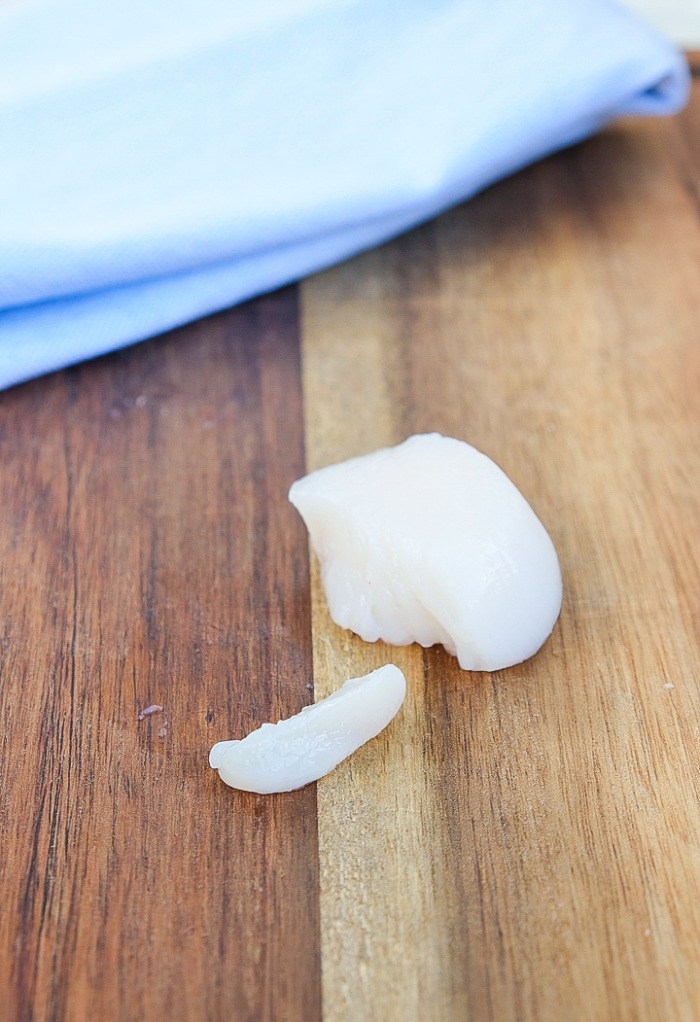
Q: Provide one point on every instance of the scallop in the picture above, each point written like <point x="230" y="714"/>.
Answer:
<point x="430" y="542"/>
<point x="303" y="748"/>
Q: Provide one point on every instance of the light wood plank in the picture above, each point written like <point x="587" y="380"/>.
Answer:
<point x="525" y="845"/>
<point x="382" y="951"/>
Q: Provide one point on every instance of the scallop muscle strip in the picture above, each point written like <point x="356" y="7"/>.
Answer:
<point x="301" y="749"/>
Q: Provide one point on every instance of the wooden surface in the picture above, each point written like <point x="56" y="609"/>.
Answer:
<point x="516" y="846"/>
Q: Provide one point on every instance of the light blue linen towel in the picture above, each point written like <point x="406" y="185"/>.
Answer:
<point x="163" y="159"/>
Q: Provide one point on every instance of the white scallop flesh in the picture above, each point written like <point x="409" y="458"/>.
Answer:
<point x="431" y="542"/>
<point x="303" y="748"/>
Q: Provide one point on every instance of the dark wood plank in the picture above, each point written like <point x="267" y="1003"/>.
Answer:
<point x="148" y="555"/>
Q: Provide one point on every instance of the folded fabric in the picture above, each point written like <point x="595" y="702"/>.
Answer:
<point x="164" y="160"/>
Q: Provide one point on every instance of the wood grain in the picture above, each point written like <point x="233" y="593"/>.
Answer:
<point x="525" y="845"/>
<point x="149" y="557"/>
<point x="518" y="846"/>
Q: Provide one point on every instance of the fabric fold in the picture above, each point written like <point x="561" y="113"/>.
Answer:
<point x="164" y="161"/>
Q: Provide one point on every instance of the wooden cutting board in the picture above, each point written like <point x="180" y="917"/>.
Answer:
<point x="516" y="846"/>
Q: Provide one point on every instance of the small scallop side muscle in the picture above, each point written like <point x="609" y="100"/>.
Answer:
<point x="294" y="752"/>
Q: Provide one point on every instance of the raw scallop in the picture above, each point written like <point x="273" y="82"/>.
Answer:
<point x="430" y="542"/>
<point x="293" y="752"/>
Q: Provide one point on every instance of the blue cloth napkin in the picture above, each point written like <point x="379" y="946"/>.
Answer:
<point x="163" y="160"/>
